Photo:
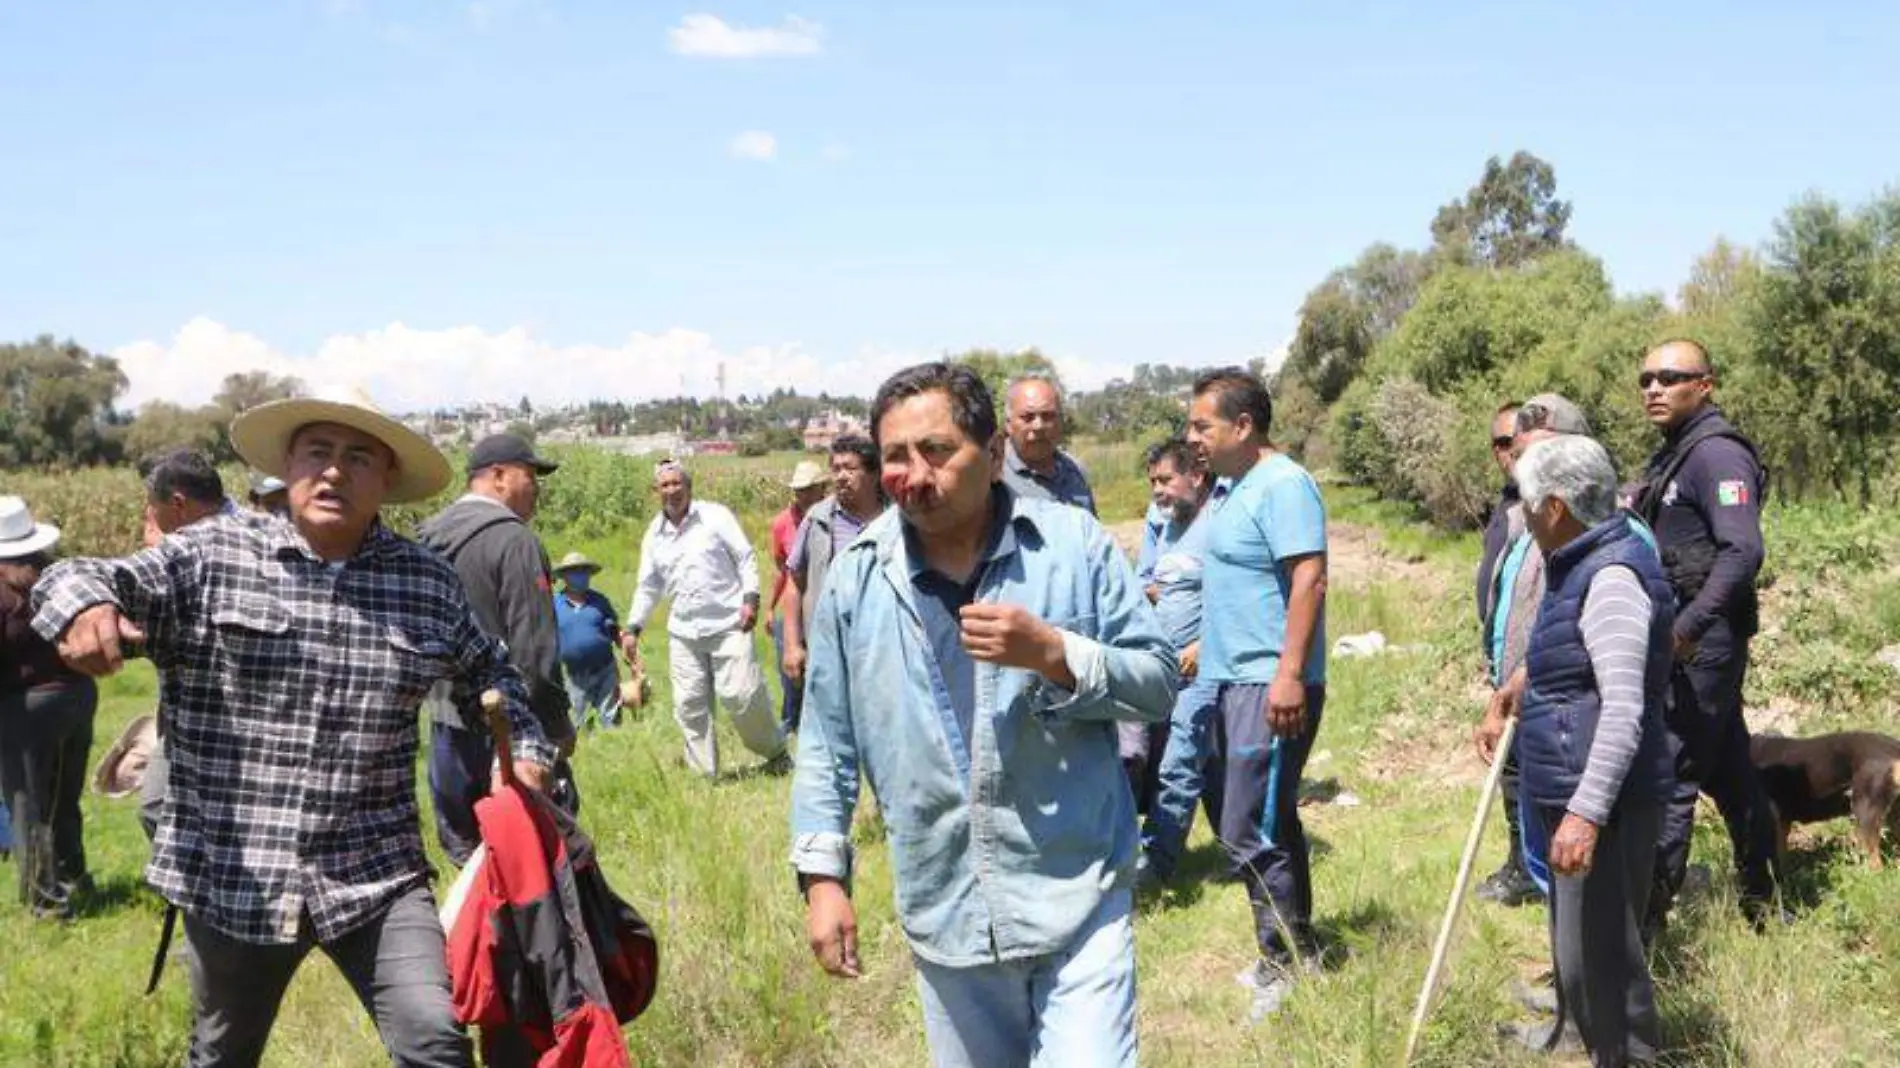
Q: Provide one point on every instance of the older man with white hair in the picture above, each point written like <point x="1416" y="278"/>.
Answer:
<point x="1595" y="762"/>
<point x="1034" y="462"/>
<point x="695" y="553"/>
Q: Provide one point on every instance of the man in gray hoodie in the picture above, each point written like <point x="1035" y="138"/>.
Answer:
<point x="505" y="569"/>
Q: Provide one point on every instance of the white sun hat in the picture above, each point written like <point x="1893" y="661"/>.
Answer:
<point x="19" y="534"/>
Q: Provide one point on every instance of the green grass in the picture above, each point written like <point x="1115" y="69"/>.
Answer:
<point x="705" y="862"/>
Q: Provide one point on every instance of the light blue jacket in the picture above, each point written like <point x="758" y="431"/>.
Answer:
<point x="1004" y="845"/>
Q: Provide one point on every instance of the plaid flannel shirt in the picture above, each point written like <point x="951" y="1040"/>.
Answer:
<point x="292" y="688"/>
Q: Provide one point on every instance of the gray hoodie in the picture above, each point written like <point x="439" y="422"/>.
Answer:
<point x="506" y="573"/>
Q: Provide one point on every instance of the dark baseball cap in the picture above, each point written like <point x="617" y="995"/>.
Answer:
<point x="507" y="449"/>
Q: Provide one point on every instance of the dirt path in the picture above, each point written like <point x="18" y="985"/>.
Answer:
<point x="1410" y="743"/>
<point x="1354" y="556"/>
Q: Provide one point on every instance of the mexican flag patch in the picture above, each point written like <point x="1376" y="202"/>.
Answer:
<point x="1729" y="494"/>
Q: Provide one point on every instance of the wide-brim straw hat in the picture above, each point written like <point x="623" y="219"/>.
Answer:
<point x="121" y="772"/>
<point x="808" y="474"/>
<point x="576" y="562"/>
<point x="20" y="536"/>
<point x="261" y="436"/>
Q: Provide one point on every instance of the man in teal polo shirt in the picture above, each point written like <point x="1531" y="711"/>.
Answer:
<point x="1263" y="643"/>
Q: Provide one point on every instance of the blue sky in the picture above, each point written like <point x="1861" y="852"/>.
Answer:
<point x="452" y="200"/>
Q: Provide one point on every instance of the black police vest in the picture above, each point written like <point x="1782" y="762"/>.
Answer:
<point x="1683" y="538"/>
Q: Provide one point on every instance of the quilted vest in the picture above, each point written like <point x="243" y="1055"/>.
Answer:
<point x="1561" y="704"/>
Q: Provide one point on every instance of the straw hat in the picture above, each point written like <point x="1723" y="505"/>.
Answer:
<point x="261" y="435"/>
<point x="577" y="562"/>
<point x="808" y="474"/>
<point x="19" y="534"/>
<point x="122" y="770"/>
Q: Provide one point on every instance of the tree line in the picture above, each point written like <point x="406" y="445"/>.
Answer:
<point x="1402" y="356"/>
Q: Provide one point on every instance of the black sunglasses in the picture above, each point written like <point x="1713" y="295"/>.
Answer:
<point x="1669" y="378"/>
<point x="1502" y="441"/>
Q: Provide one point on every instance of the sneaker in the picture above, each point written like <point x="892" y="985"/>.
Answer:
<point x="1270" y="984"/>
<point x="1510" y="886"/>
<point x="1149" y="879"/>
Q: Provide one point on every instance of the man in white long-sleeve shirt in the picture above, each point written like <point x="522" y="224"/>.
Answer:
<point x="695" y="553"/>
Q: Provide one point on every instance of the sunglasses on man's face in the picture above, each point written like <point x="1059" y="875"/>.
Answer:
<point x="1502" y="442"/>
<point x="1669" y="378"/>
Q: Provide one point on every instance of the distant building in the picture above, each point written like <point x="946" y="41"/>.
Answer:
<point x="820" y="431"/>
<point x="714" y="447"/>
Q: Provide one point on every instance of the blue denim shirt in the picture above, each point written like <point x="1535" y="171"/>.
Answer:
<point x="1004" y="842"/>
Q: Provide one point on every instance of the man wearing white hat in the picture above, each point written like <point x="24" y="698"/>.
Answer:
<point x="294" y="656"/>
<point x="695" y="553"/>
<point x="46" y="713"/>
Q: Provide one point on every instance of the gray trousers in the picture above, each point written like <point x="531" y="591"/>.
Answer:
<point x="1596" y="939"/>
<point x="397" y="963"/>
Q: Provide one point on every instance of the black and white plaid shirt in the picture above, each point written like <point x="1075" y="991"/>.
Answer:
<point x="292" y="688"/>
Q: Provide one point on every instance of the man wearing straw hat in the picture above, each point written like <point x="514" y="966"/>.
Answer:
<point x="294" y="655"/>
<point x="808" y="485"/>
<point x="590" y="631"/>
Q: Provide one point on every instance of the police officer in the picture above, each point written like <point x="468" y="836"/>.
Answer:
<point x="1702" y="494"/>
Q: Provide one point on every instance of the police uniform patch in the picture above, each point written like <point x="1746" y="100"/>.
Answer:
<point x="1730" y="494"/>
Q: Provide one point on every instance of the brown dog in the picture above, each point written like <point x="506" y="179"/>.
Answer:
<point x="1853" y="773"/>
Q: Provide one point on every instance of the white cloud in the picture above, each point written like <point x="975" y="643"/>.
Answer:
<point x="406" y="369"/>
<point x="754" y="144"/>
<point x="711" y="36"/>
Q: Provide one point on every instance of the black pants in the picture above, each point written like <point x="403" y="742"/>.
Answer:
<point x="1260" y="818"/>
<point x="1507" y="784"/>
<point x="397" y="963"/>
<point x="1709" y="740"/>
<point x="461" y="763"/>
<point x="1596" y="942"/>
<point x="45" y="738"/>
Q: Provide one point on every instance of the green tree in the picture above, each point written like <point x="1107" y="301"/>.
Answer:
<point x="996" y="369"/>
<point x="56" y="404"/>
<point x="162" y="425"/>
<point x="1826" y="331"/>
<point x="248" y="389"/>
<point x="1349" y="313"/>
<point x="1512" y="216"/>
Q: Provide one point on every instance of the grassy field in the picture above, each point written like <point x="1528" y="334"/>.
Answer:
<point x="706" y="863"/>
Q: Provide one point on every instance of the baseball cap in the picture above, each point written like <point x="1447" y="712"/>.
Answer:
<point x="507" y="449"/>
<point x="1552" y="412"/>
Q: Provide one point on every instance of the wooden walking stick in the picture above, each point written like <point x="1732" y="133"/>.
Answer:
<point x="1458" y="889"/>
<point x="498" y="729"/>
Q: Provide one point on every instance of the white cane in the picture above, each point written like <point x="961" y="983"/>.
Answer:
<point x="1458" y="889"/>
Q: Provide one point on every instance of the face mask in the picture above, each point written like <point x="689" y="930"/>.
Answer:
<point x="577" y="581"/>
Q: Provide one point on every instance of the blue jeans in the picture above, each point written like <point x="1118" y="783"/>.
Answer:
<point x="1074" y="1007"/>
<point x="1191" y="771"/>
<point x="793" y="701"/>
<point x="594" y="689"/>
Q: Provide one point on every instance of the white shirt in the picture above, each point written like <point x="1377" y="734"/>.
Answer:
<point x="705" y="564"/>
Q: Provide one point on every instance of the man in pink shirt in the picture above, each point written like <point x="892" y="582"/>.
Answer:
<point x="808" y="485"/>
